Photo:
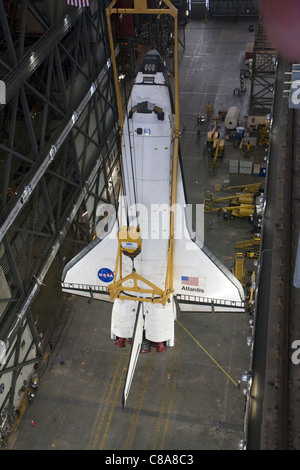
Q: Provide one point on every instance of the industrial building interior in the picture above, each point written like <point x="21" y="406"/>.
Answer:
<point x="60" y="373"/>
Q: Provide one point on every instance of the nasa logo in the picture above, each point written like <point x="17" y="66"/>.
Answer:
<point x="105" y="275"/>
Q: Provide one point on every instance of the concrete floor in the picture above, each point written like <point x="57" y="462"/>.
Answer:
<point x="178" y="397"/>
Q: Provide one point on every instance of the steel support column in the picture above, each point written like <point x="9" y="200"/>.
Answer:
<point x="58" y="151"/>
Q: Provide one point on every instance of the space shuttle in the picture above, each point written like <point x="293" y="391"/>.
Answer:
<point x="146" y="258"/>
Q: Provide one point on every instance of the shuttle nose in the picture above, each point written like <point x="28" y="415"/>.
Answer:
<point x="153" y="53"/>
<point x="152" y="63"/>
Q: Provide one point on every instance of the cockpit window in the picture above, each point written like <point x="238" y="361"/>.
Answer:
<point x="139" y="131"/>
<point x="150" y="67"/>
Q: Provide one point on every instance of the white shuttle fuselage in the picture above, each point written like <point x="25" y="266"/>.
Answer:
<point x="147" y="155"/>
<point x="199" y="281"/>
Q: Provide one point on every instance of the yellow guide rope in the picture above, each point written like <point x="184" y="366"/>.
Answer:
<point x="207" y="353"/>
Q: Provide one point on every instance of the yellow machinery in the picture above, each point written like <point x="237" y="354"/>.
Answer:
<point x="218" y="145"/>
<point x="243" y="210"/>
<point x="209" y="109"/>
<point x="237" y="199"/>
<point x="219" y="185"/>
<point x="129" y="241"/>
<point x="218" y="151"/>
<point x="212" y="135"/>
<point x="239" y="267"/>
<point x="208" y="200"/>
<point x="252" y="254"/>
<point x="252" y="288"/>
<point x="264" y="132"/>
<point x="255" y="241"/>
<point x="249" y="188"/>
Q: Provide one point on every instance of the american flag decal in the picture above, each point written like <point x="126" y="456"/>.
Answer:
<point x="189" y="281"/>
<point x="78" y="3"/>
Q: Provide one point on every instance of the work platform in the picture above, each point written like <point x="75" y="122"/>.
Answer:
<point x="189" y="397"/>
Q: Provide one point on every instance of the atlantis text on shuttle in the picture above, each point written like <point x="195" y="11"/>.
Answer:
<point x="192" y="289"/>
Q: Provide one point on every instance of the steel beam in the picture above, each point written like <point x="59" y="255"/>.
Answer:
<point x="48" y="158"/>
<point x="31" y="60"/>
<point x="60" y="164"/>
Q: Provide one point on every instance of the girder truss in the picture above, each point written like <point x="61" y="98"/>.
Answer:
<point x="265" y="61"/>
<point x="232" y="7"/>
<point x="58" y="155"/>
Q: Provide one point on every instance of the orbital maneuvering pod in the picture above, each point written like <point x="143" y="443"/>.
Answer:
<point x="148" y="262"/>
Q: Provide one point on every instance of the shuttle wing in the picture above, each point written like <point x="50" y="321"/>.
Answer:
<point x="90" y="272"/>
<point x="201" y="281"/>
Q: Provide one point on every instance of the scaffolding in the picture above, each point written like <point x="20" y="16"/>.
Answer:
<point x="59" y="162"/>
<point x="265" y="60"/>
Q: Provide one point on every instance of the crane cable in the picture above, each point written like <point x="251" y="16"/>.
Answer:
<point x="132" y="160"/>
<point x="207" y="353"/>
